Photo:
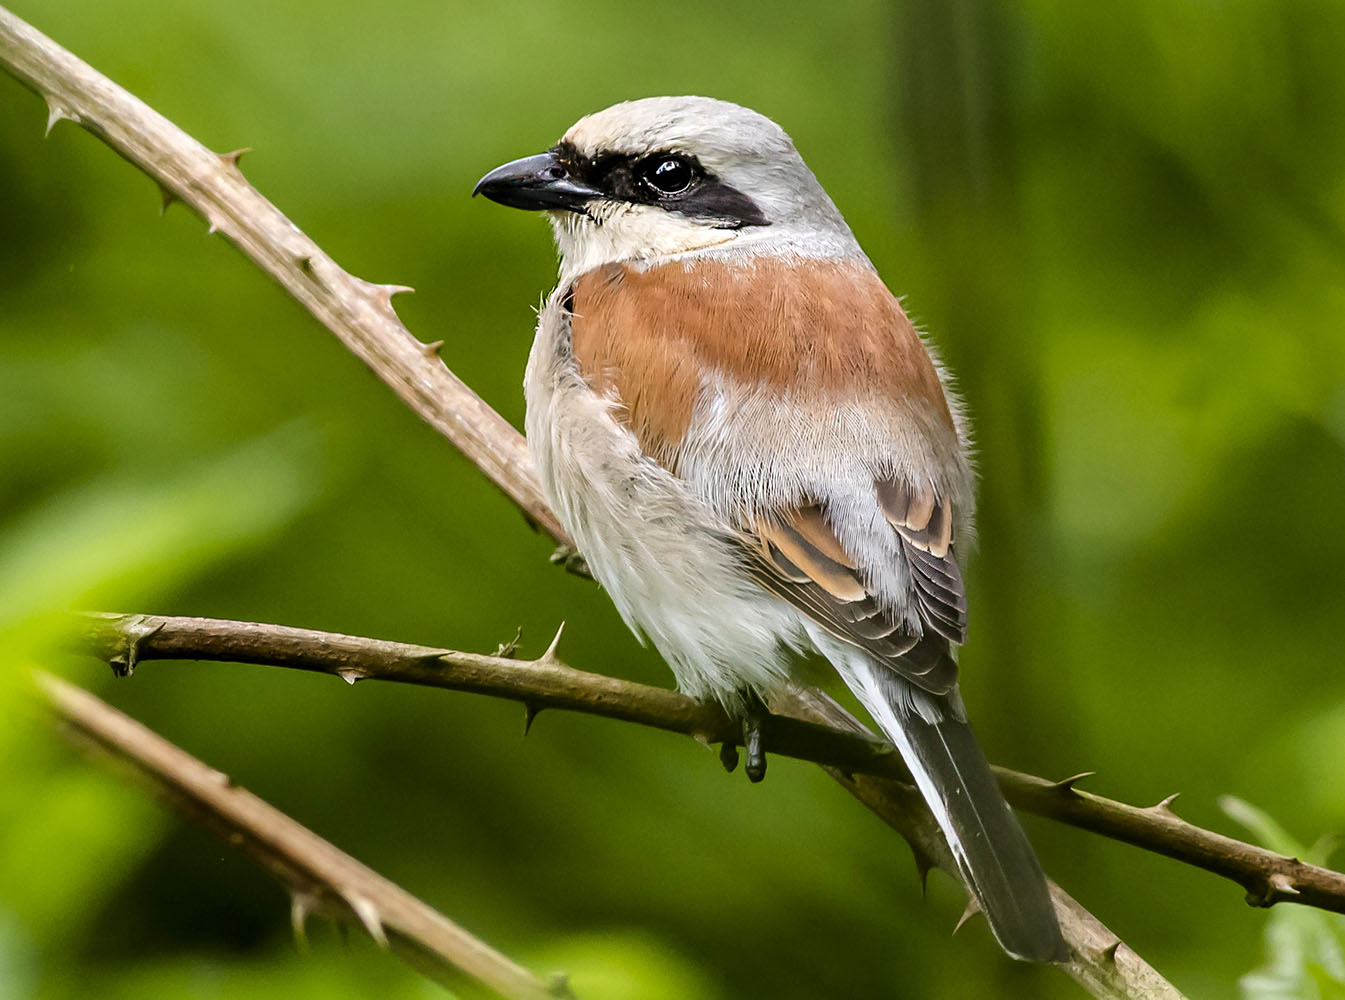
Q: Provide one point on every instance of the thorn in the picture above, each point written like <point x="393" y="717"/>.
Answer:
<point x="364" y="908"/>
<point x="530" y="712"/>
<point x="231" y="159"/>
<point x="728" y="756"/>
<point x="384" y="293"/>
<point x="56" y="112"/>
<point x="549" y="657"/>
<point x="432" y="349"/>
<point x="923" y="864"/>
<point x="508" y="649"/>
<point x="1266" y="894"/>
<point x="350" y="675"/>
<point x="137" y="631"/>
<point x="704" y="739"/>
<point x="1108" y="954"/>
<point x="166" y="198"/>
<point x="972" y="909"/>
<point x="212" y="227"/>
<point x="1282" y="884"/>
<point x="1067" y="784"/>
<point x="1166" y="805"/>
<point x="220" y="778"/>
<point x="301" y="905"/>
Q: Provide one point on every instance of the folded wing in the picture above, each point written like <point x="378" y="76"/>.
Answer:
<point x="796" y="555"/>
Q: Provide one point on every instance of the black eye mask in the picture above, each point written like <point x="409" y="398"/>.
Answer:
<point x="675" y="182"/>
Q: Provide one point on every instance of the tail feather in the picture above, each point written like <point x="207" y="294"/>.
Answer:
<point x="996" y="860"/>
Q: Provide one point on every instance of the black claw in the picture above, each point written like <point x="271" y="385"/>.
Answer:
<point x="755" y="714"/>
<point x="756" y="753"/>
<point x="728" y="756"/>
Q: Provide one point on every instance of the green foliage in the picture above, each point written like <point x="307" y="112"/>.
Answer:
<point x="105" y="544"/>
<point x="623" y="965"/>
<point x="1123" y="225"/>
<point x="1305" y="947"/>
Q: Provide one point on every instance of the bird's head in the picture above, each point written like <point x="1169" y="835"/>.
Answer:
<point x="657" y="178"/>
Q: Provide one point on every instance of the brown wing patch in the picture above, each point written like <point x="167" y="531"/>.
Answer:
<point x="830" y="328"/>
<point x="805" y="542"/>
<point x="797" y="557"/>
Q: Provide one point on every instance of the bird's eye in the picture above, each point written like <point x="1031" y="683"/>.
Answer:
<point x="668" y="174"/>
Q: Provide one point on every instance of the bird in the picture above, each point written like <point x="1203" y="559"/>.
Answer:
<point x="757" y="453"/>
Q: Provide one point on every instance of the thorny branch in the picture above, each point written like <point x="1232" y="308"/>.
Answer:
<point x="320" y="877"/>
<point x="869" y="769"/>
<point x="125" y="640"/>
<point x="361" y="315"/>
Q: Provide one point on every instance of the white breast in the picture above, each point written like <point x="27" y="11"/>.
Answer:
<point x="651" y="542"/>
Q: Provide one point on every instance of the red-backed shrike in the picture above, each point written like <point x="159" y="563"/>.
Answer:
<point x="755" y="452"/>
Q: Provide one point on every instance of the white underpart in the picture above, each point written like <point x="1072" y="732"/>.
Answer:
<point x="654" y="545"/>
<point x="646" y="236"/>
<point x="618" y="231"/>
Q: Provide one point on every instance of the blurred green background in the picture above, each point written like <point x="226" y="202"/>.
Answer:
<point x="1124" y="226"/>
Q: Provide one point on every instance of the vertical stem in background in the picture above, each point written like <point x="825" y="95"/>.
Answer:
<point x="955" y="88"/>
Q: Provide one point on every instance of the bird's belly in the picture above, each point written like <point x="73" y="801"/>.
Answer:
<point x="671" y="570"/>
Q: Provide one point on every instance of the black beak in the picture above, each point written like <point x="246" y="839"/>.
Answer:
<point x="535" y="182"/>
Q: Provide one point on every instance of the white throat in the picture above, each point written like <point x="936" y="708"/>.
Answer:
<point x="619" y="232"/>
<point x="623" y="233"/>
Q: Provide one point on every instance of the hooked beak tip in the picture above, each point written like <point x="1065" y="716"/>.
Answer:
<point x="536" y="183"/>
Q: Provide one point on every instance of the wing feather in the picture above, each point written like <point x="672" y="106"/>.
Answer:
<point x="797" y="556"/>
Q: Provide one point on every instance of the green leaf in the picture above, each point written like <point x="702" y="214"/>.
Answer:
<point x="1305" y="947"/>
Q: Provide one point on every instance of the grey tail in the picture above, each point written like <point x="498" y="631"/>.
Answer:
<point x="996" y="861"/>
